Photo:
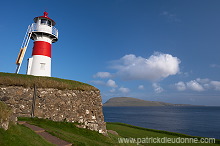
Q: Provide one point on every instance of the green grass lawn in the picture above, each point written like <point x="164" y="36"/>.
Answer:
<point x="128" y="131"/>
<point x="11" y="79"/>
<point x="69" y="132"/>
<point x="20" y="135"/>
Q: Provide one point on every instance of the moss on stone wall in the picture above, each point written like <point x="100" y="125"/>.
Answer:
<point x="5" y="111"/>
<point x="10" y="79"/>
<point x="5" y="114"/>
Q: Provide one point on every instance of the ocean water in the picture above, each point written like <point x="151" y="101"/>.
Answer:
<point x="192" y="120"/>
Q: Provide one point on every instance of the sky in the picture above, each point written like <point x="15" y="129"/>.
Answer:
<point x="148" y="49"/>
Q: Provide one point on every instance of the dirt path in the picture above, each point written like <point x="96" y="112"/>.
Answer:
<point x="46" y="135"/>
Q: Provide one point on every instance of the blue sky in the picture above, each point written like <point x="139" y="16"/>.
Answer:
<point x="149" y="49"/>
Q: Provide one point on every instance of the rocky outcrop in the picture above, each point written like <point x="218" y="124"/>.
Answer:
<point x="84" y="107"/>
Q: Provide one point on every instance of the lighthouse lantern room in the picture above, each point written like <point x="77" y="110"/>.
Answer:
<point x="44" y="34"/>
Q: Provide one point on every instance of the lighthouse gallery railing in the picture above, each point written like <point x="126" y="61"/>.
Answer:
<point x="33" y="28"/>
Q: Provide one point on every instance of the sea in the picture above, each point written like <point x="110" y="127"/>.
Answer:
<point x="201" y="121"/>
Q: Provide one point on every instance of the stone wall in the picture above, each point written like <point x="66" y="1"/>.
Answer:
<point x="6" y="116"/>
<point x="84" y="107"/>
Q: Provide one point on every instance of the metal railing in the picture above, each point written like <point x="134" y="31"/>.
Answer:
<point x="54" y="31"/>
<point x="33" y="28"/>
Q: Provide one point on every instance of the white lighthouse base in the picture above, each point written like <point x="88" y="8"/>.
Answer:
<point x="39" y="65"/>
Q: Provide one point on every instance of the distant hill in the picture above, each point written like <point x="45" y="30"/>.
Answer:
<point x="128" y="101"/>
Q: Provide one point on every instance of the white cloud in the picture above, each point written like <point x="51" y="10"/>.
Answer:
<point x="215" y="65"/>
<point x="141" y="87"/>
<point x="203" y="81"/>
<point x="102" y="75"/>
<point x="98" y="82"/>
<point x="112" y="90"/>
<point x="111" y="83"/>
<point x="180" y="86"/>
<point x="124" y="90"/>
<point x="198" y="85"/>
<point x="156" y="67"/>
<point x="215" y="85"/>
<point x="194" y="85"/>
<point x="170" y="16"/>
<point x="157" y="88"/>
<point x="185" y="74"/>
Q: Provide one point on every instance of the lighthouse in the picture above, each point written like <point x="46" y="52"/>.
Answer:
<point x="43" y="32"/>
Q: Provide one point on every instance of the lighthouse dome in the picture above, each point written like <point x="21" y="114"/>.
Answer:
<point x="45" y="19"/>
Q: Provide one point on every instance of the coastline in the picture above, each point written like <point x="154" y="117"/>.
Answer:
<point x="190" y="120"/>
<point x="127" y="130"/>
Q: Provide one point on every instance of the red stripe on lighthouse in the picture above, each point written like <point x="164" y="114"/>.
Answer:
<point x="42" y="48"/>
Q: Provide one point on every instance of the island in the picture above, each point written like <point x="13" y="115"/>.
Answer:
<point x="129" y="101"/>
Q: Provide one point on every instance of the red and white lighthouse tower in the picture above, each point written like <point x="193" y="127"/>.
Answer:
<point x="44" y="34"/>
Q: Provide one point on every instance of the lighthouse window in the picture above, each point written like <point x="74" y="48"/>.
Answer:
<point x="42" y="66"/>
<point x="49" y="23"/>
<point x="43" y="21"/>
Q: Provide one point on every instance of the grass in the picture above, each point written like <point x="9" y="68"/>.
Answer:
<point x="5" y="111"/>
<point x="127" y="131"/>
<point x="78" y="136"/>
<point x="69" y="132"/>
<point x="11" y="79"/>
<point x="19" y="135"/>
